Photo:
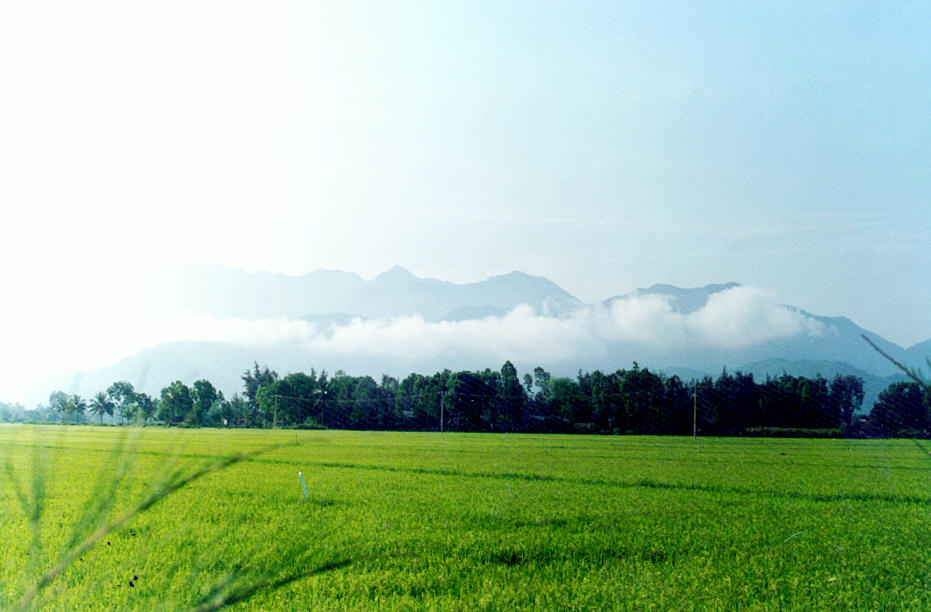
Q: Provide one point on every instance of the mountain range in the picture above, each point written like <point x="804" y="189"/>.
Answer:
<point x="399" y="323"/>
<point x="231" y="293"/>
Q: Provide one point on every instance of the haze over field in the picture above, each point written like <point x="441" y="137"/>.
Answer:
<point x="604" y="146"/>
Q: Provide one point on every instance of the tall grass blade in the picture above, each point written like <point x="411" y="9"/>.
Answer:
<point x="176" y="482"/>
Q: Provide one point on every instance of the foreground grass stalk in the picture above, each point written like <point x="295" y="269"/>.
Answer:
<point x="175" y="482"/>
<point x="31" y="507"/>
<point x="219" y="599"/>
<point x="908" y="372"/>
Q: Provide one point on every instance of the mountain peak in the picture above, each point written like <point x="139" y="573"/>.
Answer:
<point x="517" y="277"/>
<point x="397" y="274"/>
<point x="688" y="300"/>
<point x="682" y="300"/>
<point x="673" y="290"/>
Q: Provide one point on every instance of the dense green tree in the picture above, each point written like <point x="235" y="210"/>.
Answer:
<point x="468" y="402"/>
<point x="679" y="407"/>
<point x="390" y="384"/>
<point x="292" y="400"/>
<point x="389" y="388"/>
<point x="734" y="404"/>
<point x="703" y="395"/>
<point x="420" y="401"/>
<point x="145" y="406"/>
<point x="528" y="385"/>
<point x="203" y="396"/>
<point x="595" y="387"/>
<point x="846" y="398"/>
<point x="565" y="401"/>
<point x="540" y="379"/>
<point x="815" y="403"/>
<point x="176" y="405"/>
<point x="902" y="410"/>
<point x="541" y="412"/>
<point x="124" y="395"/>
<point x="253" y="381"/>
<point x="370" y="406"/>
<point x="232" y="413"/>
<point x="511" y="400"/>
<point x="643" y="394"/>
<point x="339" y="400"/>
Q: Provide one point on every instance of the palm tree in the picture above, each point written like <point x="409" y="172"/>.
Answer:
<point x="59" y="402"/>
<point x="101" y="405"/>
<point x="76" y="405"/>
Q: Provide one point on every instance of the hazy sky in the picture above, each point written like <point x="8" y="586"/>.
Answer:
<point x="604" y="145"/>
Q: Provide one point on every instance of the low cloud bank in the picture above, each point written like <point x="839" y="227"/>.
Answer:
<point x="735" y="318"/>
<point x="732" y="319"/>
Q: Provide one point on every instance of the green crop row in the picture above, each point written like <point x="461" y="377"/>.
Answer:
<point x="400" y="521"/>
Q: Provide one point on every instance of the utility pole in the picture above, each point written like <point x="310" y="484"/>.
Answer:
<point x="695" y="413"/>
<point x="442" y="402"/>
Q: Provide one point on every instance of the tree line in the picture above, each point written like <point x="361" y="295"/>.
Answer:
<point x="627" y="401"/>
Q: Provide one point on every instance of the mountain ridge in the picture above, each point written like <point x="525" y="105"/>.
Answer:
<point x="345" y="317"/>
<point x="394" y="292"/>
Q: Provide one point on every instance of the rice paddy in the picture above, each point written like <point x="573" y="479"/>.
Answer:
<point x="428" y="521"/>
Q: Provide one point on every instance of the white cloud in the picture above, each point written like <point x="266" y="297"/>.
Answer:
<point x="519" y="334"/>
<point x="647" y="319"/>
<point x="731" y="319"/>
<point x="744" y="316"/>
<point x="89" y="338"/>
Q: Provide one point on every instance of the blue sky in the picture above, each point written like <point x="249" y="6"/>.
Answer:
<point x="606" y="146"/>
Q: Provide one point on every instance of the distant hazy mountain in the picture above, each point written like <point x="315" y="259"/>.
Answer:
<point x="838" y="339"/>
<point x="919" y="355"/>
<point x="684" y="301"/>
<point x="345" y="315"/>
<point x="231" y="293"/>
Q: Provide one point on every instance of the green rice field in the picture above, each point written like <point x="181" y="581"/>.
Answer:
<point x="429" y="521"/>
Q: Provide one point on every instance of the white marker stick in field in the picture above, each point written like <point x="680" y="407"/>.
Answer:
<point x="303" y="485"/>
